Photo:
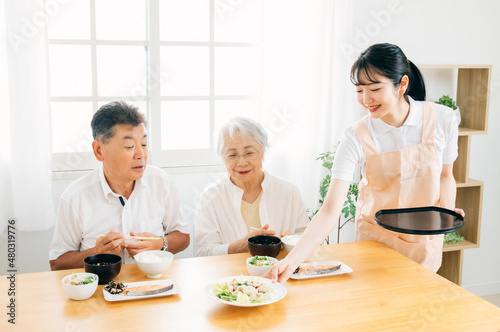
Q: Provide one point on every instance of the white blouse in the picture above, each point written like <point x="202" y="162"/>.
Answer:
<point x="388" y="138"/>
<point x="218" y="220"/>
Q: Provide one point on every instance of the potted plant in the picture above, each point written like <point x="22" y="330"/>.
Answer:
<point x="448" y="101"/>
<point x="349" y="209"/>
<point x="454" y="237"/>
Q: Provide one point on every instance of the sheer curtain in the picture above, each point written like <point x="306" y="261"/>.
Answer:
<point x="6" y="210"/>
<point x="26" y="168"/>
<point x="307" y="98"/>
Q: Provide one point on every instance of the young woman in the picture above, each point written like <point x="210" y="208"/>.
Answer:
<point x="406" y="148"/>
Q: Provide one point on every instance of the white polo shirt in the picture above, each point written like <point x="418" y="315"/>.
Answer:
<point x="89" y="207"/>
<point x="388" y="138"/>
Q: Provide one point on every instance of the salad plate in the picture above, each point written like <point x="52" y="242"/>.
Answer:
<point x="272" y="292"/>
<point x="164" y="282"/>
<point x="341" y="270"/>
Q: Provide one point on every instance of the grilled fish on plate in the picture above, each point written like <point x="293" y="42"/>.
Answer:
<point x="316" y="269"/>
<point x="320" y="269"/>
<point x="147" y="289"/>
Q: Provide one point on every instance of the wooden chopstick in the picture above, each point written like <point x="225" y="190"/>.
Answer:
<point x="133" y="237"/>
<point x="254" y="228"/>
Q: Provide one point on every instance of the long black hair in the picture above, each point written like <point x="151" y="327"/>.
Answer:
<point x="388" y="60"/>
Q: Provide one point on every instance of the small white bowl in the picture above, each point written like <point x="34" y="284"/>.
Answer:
<point x="255" y="270"/>
<point x="80" y="292"/>
<point x="290" y="241"/>
<point x="154" y="262"/>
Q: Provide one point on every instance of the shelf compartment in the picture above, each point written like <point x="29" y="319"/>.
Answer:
<point x="462" y="131"/>
<point x="461" y="164"/>
<point x="459" y="246"/>
<point x="473" y="90"/>
<point x="468" y="85"/>
<point x="451" y="267"/>
<point x="469" y="198"/>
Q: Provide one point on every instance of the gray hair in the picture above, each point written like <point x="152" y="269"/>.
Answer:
<point x="246" y="127"/>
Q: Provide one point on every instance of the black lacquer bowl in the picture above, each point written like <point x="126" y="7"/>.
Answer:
<point x="106" y="266"/>
<point x="264" y="245"/>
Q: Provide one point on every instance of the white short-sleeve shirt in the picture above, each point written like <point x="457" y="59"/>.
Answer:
<point x="388" y="138"/>
<point x="89" y="207"/>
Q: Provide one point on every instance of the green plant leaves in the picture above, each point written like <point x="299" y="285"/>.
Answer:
<point x="453" y="237"/>
<point x="447" y="101"/>
<point x="349" y="209"/>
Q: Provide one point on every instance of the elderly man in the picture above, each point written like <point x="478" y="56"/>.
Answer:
<point x="123" y="196"/>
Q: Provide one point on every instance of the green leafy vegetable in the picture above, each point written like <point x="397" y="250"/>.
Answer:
<point x="260" y="261"/>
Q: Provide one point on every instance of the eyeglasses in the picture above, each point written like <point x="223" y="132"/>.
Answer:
<point x="249" y="155"/>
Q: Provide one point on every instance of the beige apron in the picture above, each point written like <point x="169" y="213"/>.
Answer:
<point x="404" y="178"/>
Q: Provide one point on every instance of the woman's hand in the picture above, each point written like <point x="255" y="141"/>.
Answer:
<point x="281" y="271"/>
<point x="241" y="245"/>
<point x="285" y="233"/>
<point x="460" y="212"/>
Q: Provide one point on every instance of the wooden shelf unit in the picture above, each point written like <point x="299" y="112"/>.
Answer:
<point x="472" y="98"/>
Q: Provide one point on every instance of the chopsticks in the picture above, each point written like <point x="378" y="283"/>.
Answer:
<point x="128" y="237"/>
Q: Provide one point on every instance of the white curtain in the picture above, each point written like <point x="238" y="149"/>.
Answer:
<point x="26" y="178"/>
<point x="308" y="100"/>
<point x="6" y="210"/>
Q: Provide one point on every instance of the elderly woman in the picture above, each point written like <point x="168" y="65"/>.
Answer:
<point x="247" y="201"/>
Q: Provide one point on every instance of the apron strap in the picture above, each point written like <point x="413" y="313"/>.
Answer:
<point x="364" y="137"/>
<point x="429" y="124"/>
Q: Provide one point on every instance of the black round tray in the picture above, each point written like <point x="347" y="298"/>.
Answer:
<point x="427" y="220"/>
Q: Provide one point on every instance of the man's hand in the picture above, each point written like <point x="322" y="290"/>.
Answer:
<point x="156" y="243"/>
<point x="112" y="243"/>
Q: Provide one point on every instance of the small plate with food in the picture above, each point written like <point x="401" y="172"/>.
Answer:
<point x="245" y="291"/>
<point x="117" y="291"/>
<point x="320" y="269"/>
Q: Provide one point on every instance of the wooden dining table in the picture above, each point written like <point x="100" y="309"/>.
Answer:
<point x="384" y="292"/>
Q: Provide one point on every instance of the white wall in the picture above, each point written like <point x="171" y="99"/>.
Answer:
<point x="452" y="32"/>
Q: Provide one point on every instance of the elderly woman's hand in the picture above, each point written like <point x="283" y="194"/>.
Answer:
<point x="285" y="233"/>
<point x="241" y="244"/>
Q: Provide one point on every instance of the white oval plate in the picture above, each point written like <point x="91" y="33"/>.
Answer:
<point x="342" y="270"/>
<point x="278" y="293"/>
<point x="121" y="297"/>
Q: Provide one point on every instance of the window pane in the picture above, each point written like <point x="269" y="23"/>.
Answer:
<point x="70" y="20"/>
<point x="185" y="125"/>
<point x="70" y="70"/>
<point x="185" y="70"/>
<point x="142" y="105"/>
<point x="121" y="70"/>
<point x="237" y="71"/>
<point x="238" y="21"/>
<point x="225" y="110"/>
<point x="71" y="130"/>
<point x="121" y="19"/>
<point x="186" y="20"/>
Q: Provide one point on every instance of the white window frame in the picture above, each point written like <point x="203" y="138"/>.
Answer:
<point x="174" y="160"/>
